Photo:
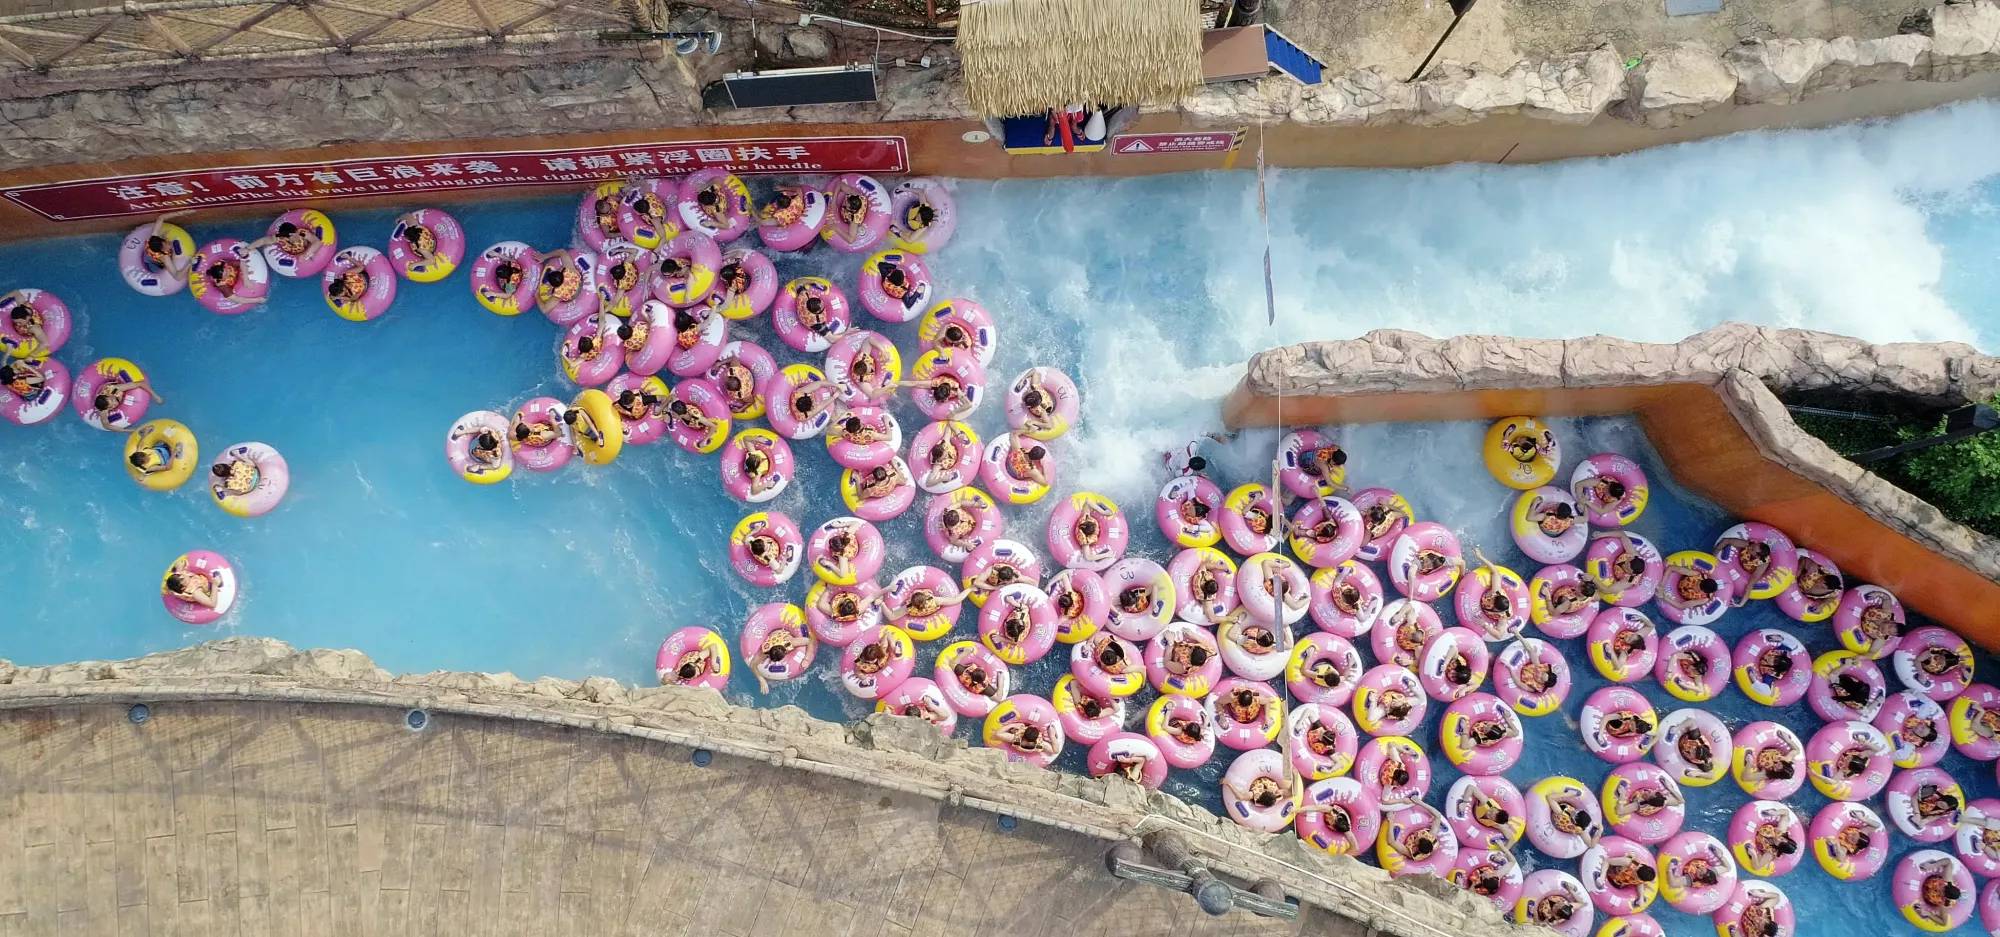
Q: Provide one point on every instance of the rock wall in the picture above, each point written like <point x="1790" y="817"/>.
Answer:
<point x="893" y="752"/>
<point x="1747" y="365"/>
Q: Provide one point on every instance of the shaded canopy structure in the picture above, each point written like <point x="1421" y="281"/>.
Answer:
<point x="1026" y="56"/>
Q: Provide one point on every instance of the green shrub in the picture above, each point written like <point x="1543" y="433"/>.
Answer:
<point x="1960" y="478"/>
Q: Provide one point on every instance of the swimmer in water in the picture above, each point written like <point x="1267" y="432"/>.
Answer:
<point x="786" y="207"/>
<point x="112" y="394"/>
<point x="713" y="203"/>
<point x="581" y="423"/>
<point x="1026" y="738"/>
<point x="693" y="666"/>
<point x="846" y="605"/>
<point x="1694" y="587"/>
<point x="866" y="374"/>
<point x="1553" y="518"/>
<point x="1496" y="606"/>
<point x="1525" y="447"/>
<point x="1771" y="837"/>
<point x="843" y="544"/>
<point x="561" y="281"/>
<point x="635" y="405"/>
<point x="1570" y="598"/>
<point x="881" y="481"/>
<point x="1627" y="641"/>
<point x="294" y="240"/>
<point x="1574" y="814"/>
<point x="1601" y="492"/>
<point x="1087" y="532"/>
<point x="483" y="453"/>
<point x="1109" y="654"/>
<point x="1274" y="569"/>
<point x="1693" y="746"/>
<point x="917" y="221"/>
<point x="1937" y="894"/>
<point x="1854" y="838"/>
<point x="1816" y="582"/>
<point x="758" y="468"/>
<point x="850" y="206"/>
<point x="769" y="661"/>
<point x="1759" y="918"/>
<point x="1039" y="403"/>
<point x="235" y="476"/>
<point x="921" y="603"/>
<point x="1027" y="460"/>
<point x="998" y="576"/>
<point x="898" y="286"/>
<point x="808" y="400"/>
<point x="1878" y="623"/>
<point x="953" y="443"/>
<point x="225" y="274"/>
<point x="946" y="391"/>
<point x="1774" y="761"/>
<point x="420" y="240"/>
<point x="1412" y="633"/>
<point x="1627" y="567"/>
<point x="1185" y="655"/>
<point x="1487" y="812"/>
<point x="185" y="584"/>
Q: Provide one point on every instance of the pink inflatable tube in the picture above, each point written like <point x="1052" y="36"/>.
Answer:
<point x="872" y="674"/>
<point x="1730" y="918"/>
<point x="1761" y="832"/>
<point x="650" y="426"/>
<point x="1475" y="807"/>
<point x="652" y="202"/>
<point x="1086" y="717"/>
<point x="1565" y="581"/>
<point x="1917" y="728"/>
<point x="1406" y="626"/>
<point x="1142" y="599"/>
<point x="1931" y="660"/>
<point x="1839" y="826"/>
<point x="1693" y="664"/>
<point x="1355" y="808"/>
<point x="1977" y="841"/>
<point x="1794" y="601"/>
<point x="1018" y="623"/>
<point x="407" y="237"/>
<point x="1245" y="774"/>
<point x="1621" y="588"/>
<point x="1550" y="682"/>
<point x="1346" y="599"/>
<point x="591" y="369"/>
<point x="604" y="215"/>
<point x="1772" y="667"/>
<point x="849" y="454"/>
<point x="309" y="264"/>
<point x="1324" y="668"/>
<point x="979" y="523"/>
<point x="1684" y="735"/>
<point x="1256" y="590"/>
<point x="1571" y="917"/>
<point x="1492" y="873"/>
<point x="228" y="277"/>
<point x="551" y="455"/>
<point x="1933" y="889"/>
<point x="626" y="281"/>
<point x="1405" y="827"/>
<point x="686" y="269"/>
<point x="1453" y="664"/>
<point x="1002" y="476"/>
<point x="1059" y="403"/>
<point x="274" y="478"/>
<point x="727" y="216"/>
<point x="1975" y="722"/>
<point x="696" y="336"/>
<point x="810" y="313"/>
<point x="1230" y="727"/>
<point x="1238" y="507"/>
<point x="1389" y="701"/>
<point x="1320" y="741"/>
<point x="845" y="550"/>
<point x="802" y="229"/>
<point x="693" y="657"/>
<point x="1130" y="754"/>
<point x="1594" y="867"/>
<point x="1642" y="803"/>
<point x="1384" y="516"/>
<point x="458" y="447"/>
<point x="1327" y="532"/>
<point x="42" y="305"/>
<point x="1069" y="546"/>
<point x="1460" y="734"/>
<point x="1849" y="760"/>
<point x="375" y="269"/>
<point x="1393" y="767"/>
<point x="1025" y="710"/>
<point x="1618" y="725"/>
<point x="1770" y="750"/>
<point x="1082" y="603"/>
<point x="833" y="620"/>
<point x="959" y="325"/>
<point x="1188" y="511"/>
<point x="1220" y="579"/>
<point x="1548" y="526"/>
<point x="745" y="286"/>
<point x="883" y="364"/>
<point x="1181" y="727"/>
<point x="784" y="550"/>
<point x="997" y="553"/>
<point x="145" y="274"/>
<point x="776" y="644"/>
<point x="889" y="300"/>
<point x="1846" y="686"/>
<point x="778" y="391"/>
<point x="701" y="396"/>
<point x="131" y="408"/>
<point x="1592" y="484"/>
<point x="941" y="468"/>
<point x="1490" y="625"/>
<point x="882" y="507"/>
<point x="858" y="212"/>
<point x="1989" y="907"/>
<point x="222" y="585"/>
<point x="1405" y="572"/>
<point x="586" y="266"/>
<point x="908" y="586"/>
<point x="1925" y="804"/>
<point x="1298" y="470"/>
<point x="496" y="296"/>
<point x="963" y="387"/>
<point x="1181" y="644"/>
<point x="1697" y="874"/>
<point x="1623" y="644"/>
<point x="920" y="697"/>
<point x="738" y="479"/>
<point x="909" y="229"/>
<point x="1776" y="568"/>
<point x="1869" y="622"/>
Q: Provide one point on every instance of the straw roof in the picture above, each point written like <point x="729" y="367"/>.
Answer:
<point x="1026" y="56"/>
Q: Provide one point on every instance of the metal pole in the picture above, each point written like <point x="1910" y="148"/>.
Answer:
<point x="1434" y="49"/>
<point x="1958" y="424"/>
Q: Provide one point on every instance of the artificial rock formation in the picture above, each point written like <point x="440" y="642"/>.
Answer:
<point x="891" y="752"/>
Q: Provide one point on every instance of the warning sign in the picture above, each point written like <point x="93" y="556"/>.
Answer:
<point x="1220" y="141"/>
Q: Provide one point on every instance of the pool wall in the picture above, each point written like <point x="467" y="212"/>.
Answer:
<point x="893" y="753"/>
<point x="1709" y="405"/>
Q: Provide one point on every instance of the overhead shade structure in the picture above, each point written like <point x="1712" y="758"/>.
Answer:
<point x="1027" y="56"/>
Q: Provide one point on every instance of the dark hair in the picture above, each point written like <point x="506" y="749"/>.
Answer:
<point x="941" y="392"/>
<point x="1502" y="817"/>
<point x="1833" y="581"/>
<point x="220" y="470"/>
<point x="1646" y="873"/>
<point x="1562" y="510"/>
<point x="1951" y="892"/>
<point x="569" y="416"/>
<point x="287" y="229"/>
<point x="1786" y="847"/>
<point x="1783" y="665"/>
<point x="156" y="243"/>
<point x="585" y="343"/>
<point x="1037" y="453"/>
<point x="1197" y="656"/>
<point x="707" y="197"/>
<point x="521" y="431"/>
<point x="1782" y="771"/>
<point x="1708" y="586"/>
<point x="1339" y="456"/>
<point x="1862" y="840"/>
<point x="1197" y="463"/>
<point x="175" y="582"/>
<point x="1587" y="588"/>
<point x="682" y="320"/>
<point x="138" y="459"/>
<point x="852" y="424"/>
<point x="1614" y="487"/>
<point x="627" y="396"/>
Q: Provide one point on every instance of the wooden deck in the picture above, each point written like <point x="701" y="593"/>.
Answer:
<point x="269" y="819"/>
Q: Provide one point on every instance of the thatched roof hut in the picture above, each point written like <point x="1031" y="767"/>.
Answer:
<point x="1026" y="56"/>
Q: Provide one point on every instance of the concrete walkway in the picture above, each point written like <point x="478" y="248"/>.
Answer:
<point x="271" y="819"/>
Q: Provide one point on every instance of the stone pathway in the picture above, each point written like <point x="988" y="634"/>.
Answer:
<point x="265" y="819"/>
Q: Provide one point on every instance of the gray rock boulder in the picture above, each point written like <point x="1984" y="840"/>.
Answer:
<point x="1672" y="85"/>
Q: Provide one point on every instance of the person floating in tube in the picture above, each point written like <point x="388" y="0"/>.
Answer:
<point x="649" y="207"/>
<point x="786" y="208"/>
<point x="879" y="482"/>
<point x="811" y="399"/>
<point x="562" y="279"/>
<point x="865" y="372"/>
<point x="236" y="476"/>
<point x="536" y="433"/>
<point x="1552" y="518"/>
<point x="187" y="585"/>
<point x="769" y="662"/>
<point x="225" y="274"/>
<point x="850" y="210"/>
<point x="483" y="455"/>
<point x="581" y="422"/>
<point x="946" y="390"/>
<point x="897" y="285"/>
<point x="157" y="254"/>
<point x="635" y="405"/>
<point x="714" y="204"/>
<point x="27" y="324"/>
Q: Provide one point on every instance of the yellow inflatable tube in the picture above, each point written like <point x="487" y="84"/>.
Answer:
<point x="610" y="438"/>
<point x="168" y="451"/>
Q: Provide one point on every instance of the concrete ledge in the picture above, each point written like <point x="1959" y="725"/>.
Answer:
<point x="890" y="752"/>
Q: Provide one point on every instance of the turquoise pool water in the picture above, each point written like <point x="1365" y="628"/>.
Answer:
<point x="1147" y="290"/>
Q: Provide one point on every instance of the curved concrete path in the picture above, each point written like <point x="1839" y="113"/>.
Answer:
<point x="272" y="819"/>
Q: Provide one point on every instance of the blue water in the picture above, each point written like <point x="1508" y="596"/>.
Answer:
<point x="1149" y="291"/>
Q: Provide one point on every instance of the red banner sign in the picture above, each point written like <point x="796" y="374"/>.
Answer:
<point x="1146" y="143"/>
<point x="152" y="193"/>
